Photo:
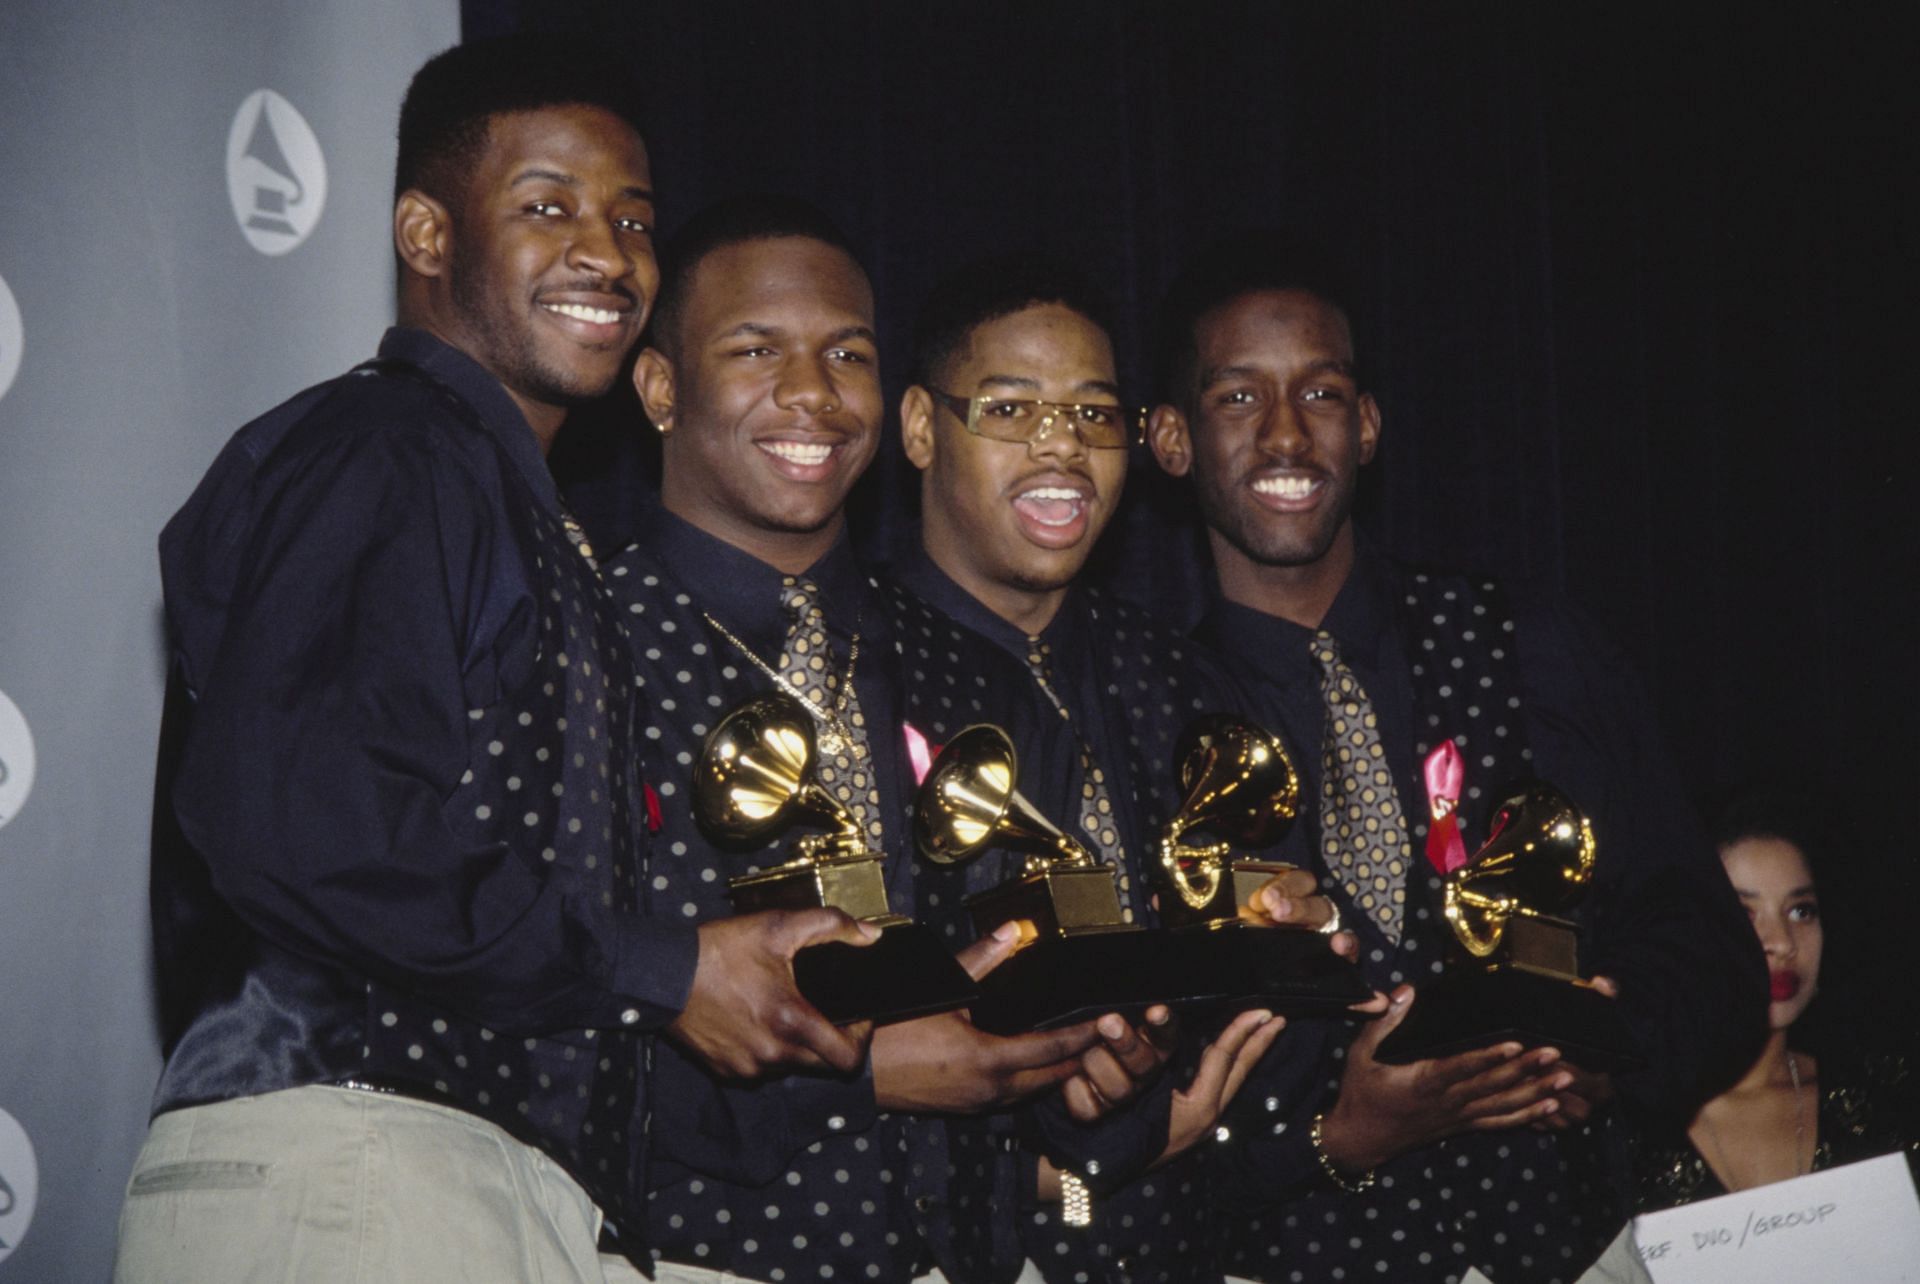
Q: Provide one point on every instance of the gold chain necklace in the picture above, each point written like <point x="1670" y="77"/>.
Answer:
<point x="835" y="736"/>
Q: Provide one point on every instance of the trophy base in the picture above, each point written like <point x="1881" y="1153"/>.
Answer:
<point x="1059" y="900"/>
<point x="1472" y="1008"/>
<point x="856" y="884"/>
<point x="1063" y="980"/>
<point x="907" y="973"/>
<point x="1239" y="882"/>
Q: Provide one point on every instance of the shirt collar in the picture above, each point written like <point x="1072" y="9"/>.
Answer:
<point x="474" y="384"/>
<point x="744" y="591"/>
<point x="1358" y="620"/>
<point x="930" y="584"/>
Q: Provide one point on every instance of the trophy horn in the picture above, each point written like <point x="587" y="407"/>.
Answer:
<point x="969" y="802"/>
<point x="755" y="779"/>
<point x="1536" y="863"/>
<point x="1240" y="786"/>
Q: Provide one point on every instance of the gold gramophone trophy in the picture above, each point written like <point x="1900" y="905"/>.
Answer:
<point x="1516" y="973"/>
<point x="1240" y="787"/>
<point x="1078" y="957"/>
<point x="755" y="779"/>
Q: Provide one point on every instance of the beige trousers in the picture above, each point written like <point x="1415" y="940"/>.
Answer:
<point x="340" y="1186"/>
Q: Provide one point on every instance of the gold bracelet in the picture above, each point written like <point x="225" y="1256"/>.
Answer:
<point x="1354" y="1185"/>
<point x="1076" y="1201"/>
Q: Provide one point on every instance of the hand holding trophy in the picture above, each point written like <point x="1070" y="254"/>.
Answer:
<point x="1516" y="975"/>
<point x="1078" y="956"/>
<point x="756" y="779"/>
<point x="1240" y="786"/>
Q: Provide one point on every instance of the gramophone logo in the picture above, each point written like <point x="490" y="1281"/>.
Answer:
<point x="276" y="176"/>
<point x="12" y="335"/>
<point x="16" y="760"/>
<point x="19" y="1184"/>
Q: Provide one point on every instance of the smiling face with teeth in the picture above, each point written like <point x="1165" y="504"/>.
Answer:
<point x="768" y="395"/>
<point x="542" y="268"/>
<point x="1274" y="431"/>
<point x="1013" y="523"/>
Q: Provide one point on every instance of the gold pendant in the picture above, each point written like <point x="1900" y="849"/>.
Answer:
<point x="831" y="743"/>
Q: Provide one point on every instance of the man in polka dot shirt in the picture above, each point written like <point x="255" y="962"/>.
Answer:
<point x="762" y="379"/>
<point x="1500" y="1158"/>
<point x="1012" y="505"/>
<point x="398" y="873"/>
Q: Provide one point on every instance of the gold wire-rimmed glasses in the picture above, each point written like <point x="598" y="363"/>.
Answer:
<point x="1025" y="420"/>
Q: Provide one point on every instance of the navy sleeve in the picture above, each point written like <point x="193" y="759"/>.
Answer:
<point x="364" y="585"/>
<point x="1663" y="920"/>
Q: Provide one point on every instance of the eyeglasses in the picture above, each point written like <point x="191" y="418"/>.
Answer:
<point x="1026" y="420"/>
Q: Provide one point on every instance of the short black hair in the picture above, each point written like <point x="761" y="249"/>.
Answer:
<point x="1227" y="268"/>
<point x="736" y="220"/>
<point x="443" y="120"/>
<point x="992" y="288"/>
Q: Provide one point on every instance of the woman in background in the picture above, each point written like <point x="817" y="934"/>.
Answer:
<point x="1789" y="1114"/>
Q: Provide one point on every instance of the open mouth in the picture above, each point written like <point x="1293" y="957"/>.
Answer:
<point x="1783" y="985"/>
<point x="1053" y="515"/>
<point x="605" y="320"/>
<point x="1289" y="491"/>
<point x="803" y="460"/>
<point x="581" y="312"/>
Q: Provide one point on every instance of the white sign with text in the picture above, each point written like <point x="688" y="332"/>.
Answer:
<point x="1857" y="1222"/>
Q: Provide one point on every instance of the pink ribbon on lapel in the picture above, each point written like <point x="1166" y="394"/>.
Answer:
<point x="919" y="752"/>
<point x="1446" y="774"/>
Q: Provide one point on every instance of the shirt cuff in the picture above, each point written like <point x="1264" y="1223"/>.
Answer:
<point x="653" y="974"/>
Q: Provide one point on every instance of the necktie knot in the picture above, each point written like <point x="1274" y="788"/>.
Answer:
<point x="800" y="597"/>
<point x="1325" y="648"/>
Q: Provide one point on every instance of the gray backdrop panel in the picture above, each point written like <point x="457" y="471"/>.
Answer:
<point x="150" y="327"/>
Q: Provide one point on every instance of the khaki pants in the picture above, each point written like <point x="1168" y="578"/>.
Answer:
<point x="343" y="1186"/>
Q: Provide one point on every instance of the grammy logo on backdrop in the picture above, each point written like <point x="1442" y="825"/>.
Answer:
<point x="276" y="175"/>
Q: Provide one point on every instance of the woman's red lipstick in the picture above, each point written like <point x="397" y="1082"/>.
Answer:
<point x="1783" y="985"/>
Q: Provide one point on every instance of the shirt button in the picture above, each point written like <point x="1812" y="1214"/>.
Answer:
<point x="837" y="1123"/>
<point x="1093" y="1168"/>
<point x="924" y="1203"/>
<point x="630" y="1017"/>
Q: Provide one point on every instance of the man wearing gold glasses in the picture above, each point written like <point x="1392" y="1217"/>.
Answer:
<point x="1016" y="423"/>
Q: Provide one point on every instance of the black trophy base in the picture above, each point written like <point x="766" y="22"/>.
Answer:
<point x="1063" y="980"/>
<point x="1471" y="1008"/>
<point x="906" y="973"/>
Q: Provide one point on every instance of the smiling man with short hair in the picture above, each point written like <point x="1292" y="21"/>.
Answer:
<point x="405" y="969"/>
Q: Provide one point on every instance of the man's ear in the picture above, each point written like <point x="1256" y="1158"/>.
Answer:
<point x="1170" y="439"/>
<point x="1369" y="427"/>
<point x="916" y="426"/>
<point x="653" y="380"/>
<point x="422" y="233"/>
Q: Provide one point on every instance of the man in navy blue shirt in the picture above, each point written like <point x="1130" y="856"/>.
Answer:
<point x="1016" y="422"/>
<point x="762" y="376"/>
<point x="400" y="881"/>
<point x="1500" y="1158"/>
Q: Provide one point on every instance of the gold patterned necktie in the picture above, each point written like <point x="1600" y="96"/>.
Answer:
<point x="844" y="763"/>
<point x="1363" y="832"/>
<point x="1098" y="828"/>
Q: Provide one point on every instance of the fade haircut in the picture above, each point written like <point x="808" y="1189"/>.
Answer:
<point x="443" y="121"/>
<point x="989" y="290"/>
<point x="1236" y="265"/>
<point x="736" y="220"/>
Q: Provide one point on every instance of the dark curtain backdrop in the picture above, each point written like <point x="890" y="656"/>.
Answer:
<point x="1633" y="287"/>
